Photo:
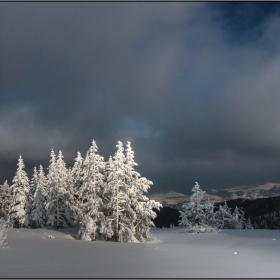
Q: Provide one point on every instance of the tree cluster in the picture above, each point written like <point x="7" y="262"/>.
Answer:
<point x="198" y="217"/>
<point x="106" y="199"/>
<point x="267" y="221"/>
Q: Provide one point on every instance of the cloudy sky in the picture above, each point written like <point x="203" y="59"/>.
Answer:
<point x="194" y="86"/>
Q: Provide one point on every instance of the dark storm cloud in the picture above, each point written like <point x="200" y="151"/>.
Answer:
<point x="193" y="86"/>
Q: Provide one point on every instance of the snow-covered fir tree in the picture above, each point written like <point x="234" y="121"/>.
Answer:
<point x="224" y="217"/>
<point x="58" y="212"/>
<point x="249" y="224"/>
<point x="119" y="212"/>
<point x="20" y="204"/>
<point x="193" y="213"/>
<point x="238" y="220"/>
<point x="5" y="197"/>
<point x="128" y="212"/>
<point x="90" y="192"/>
<point x="33" y="186"/>
<point x="210" y="218"/>
<point x="38" y="214"/>
<point x="77" y="174"/>
<point x="140" y="204"/>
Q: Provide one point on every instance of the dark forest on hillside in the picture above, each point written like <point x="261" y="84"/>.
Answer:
<point x="264" y="212"/>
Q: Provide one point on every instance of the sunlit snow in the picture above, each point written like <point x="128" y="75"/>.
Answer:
<point x="52" y="253"/>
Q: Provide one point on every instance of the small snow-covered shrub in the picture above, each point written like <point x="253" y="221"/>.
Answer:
<point x="3" y="233"/>
<point x="200" y="229"/>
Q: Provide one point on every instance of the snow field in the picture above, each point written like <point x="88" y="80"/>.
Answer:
<point x="173" y="253"/>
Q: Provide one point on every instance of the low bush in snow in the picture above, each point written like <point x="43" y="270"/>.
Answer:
<point x="201" y="229"/>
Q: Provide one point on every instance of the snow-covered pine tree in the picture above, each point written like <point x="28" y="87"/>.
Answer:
<point x="248" y="224"/>
<point x="119" y="212"/>
<point x="5" y="198"/>
<point x="77" y="174"/>
<point x="209" y="214"/>
<point x="193" y="215"/>
<point x="90" y="192"/>
<point x="18" y="210"/>
<point x="33" y="186"/>
<point x="38" y="214"/>
<point x="237" y="221"/>
<point x="107" y="228"/>
<point x="58" y="212"/>
<point x="224" y="217"/>
<point x="140" y="204"/>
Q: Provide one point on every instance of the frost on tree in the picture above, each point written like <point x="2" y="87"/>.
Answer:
<point x="77" y="174"/>
<point x="107" y="228"/>
<point x="140" y="204"/>
<point x="238" y="220"/>
<point x="19" y="206"/>
<point x="193" y="213"/>
<point x="5" y="197"/>
<point x="38" y="214"/>
<point x="119" y="213"/>
<point x="210" y="218"/>
<point x="58" y="212"/>
<point x="89" y="193"/>
<point x="224" y="217"/>
<point x="128" y="211"/>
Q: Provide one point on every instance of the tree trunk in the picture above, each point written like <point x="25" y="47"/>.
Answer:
<point x="117" y="237"/>
<point x="57" y="213"/>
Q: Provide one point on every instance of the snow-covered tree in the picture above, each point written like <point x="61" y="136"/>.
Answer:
<point x="77" y="174"/>
<point x="107" y="228"/>
<point x="38" y="214"/>
<point x="193" y="212"/>
<point x="210" y="219"/>
<point x="20" y="204"/>
<point x="193" y="215"/>
<point x="224" y="217"/>
<point x="33" y="186"/>
<point x="140" y="204"/>
<point x="58" y="212"/>
<point x="248" y="224"/>
<point x="5" y="197"/>
<point x="119" y="212"/>
<point x="238" y="220"/>
<point x="89" y="192"/>
<point x="128" y="212"/>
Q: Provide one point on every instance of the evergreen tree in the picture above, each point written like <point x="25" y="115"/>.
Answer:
<point x="224" y="217"/>
<point x="210" y="219"/>
<point x="38" y="215"/>
<point x="140" y="204"/>
<point x="107" y="228"/>
<point x="90" y="191"/>
<point x="58" y="211"/>
<point x="193" y="212"/>
<point x="248" y="224"/>
<point x="20" y="204"/>
<point x="196" y="216"/>
<point x="33" y="186"/>
<point x="120" y="214"/>
<point x="77" y="174"/>
<point x="5" y="197"/>
<point x="238" y="220"/>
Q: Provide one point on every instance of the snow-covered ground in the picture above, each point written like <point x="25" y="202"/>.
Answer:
<point x="173" y="253"/>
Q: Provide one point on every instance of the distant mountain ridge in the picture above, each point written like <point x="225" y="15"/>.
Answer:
<point x="176" y="199"/>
